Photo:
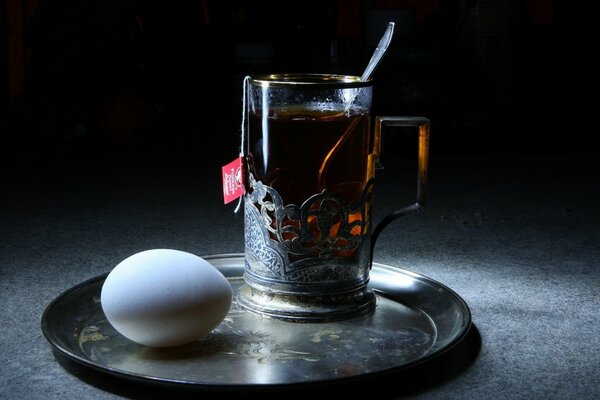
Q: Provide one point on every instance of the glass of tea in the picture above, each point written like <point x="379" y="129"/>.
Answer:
<point x="311" y="151"/>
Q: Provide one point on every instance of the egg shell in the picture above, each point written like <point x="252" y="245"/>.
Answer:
<point x="165" y="297"/>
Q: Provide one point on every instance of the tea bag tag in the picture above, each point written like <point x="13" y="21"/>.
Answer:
<point x="233" y="180"/>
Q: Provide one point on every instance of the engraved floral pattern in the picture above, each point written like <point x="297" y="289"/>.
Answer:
<point x="291" y="242"/>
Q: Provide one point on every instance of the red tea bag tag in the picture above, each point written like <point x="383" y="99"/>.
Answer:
<point x="233" y="180"/>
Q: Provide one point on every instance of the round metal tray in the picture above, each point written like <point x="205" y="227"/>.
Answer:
<point x="416" y="319"/>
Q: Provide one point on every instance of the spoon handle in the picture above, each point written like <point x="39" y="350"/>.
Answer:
<point x="379" y="51"/>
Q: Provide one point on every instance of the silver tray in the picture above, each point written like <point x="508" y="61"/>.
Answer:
<point x="416" y="319"/>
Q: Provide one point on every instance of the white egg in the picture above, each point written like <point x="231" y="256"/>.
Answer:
<point x="165" y="297"/>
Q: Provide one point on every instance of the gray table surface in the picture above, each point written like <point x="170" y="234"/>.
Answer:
<point x="516" y="236"/>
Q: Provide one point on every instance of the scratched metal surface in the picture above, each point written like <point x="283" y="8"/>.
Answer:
<point x="416" y="318"/>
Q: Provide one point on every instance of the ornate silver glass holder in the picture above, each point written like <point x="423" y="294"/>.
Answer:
<point x="295" y="268"/>
<point x="312" y="262"/>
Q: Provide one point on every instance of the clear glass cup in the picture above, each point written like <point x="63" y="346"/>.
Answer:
<point x="311" y="155"/>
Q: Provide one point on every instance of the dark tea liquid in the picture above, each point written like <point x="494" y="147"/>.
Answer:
<point x="300" y="153"/>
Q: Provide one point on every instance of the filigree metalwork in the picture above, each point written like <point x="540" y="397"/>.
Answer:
<point x="323" y="239"/>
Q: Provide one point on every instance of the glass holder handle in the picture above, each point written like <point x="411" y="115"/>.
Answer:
<point x="423" y="125"/>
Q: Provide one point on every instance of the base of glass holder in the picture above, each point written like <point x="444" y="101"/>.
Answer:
<point x="307" y="308"/>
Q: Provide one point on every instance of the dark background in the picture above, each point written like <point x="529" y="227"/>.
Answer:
<point x="114" y="79"/>
<point x="116" y="116"/>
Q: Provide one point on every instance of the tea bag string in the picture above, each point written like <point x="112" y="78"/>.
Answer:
<point x="243" y="131"/>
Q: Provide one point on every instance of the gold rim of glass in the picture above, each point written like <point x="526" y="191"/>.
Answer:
<point x="309" y="80"/>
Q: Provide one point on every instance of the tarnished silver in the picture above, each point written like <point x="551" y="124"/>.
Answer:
<point x="296" y="269"/>
<point x="310" y="158"/>
<point x="416" y="320"/>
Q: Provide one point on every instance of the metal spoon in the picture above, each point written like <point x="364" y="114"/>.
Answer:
<point x="384" y="42"/>
<point x="379" y="51"/>
<point x="382" y="46"/>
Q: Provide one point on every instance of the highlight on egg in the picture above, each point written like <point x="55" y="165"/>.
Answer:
<point x="165" y="297"/>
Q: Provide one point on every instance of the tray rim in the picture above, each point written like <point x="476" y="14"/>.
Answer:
<point x="136" y="377"/>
